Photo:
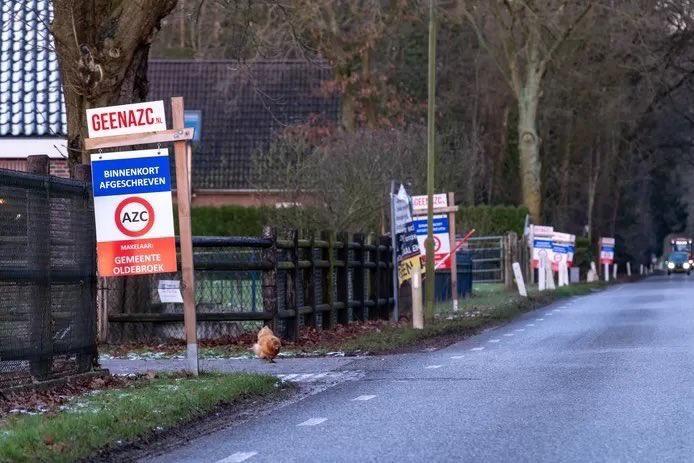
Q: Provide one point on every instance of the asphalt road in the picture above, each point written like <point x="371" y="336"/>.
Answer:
<point x="606" y="377"/>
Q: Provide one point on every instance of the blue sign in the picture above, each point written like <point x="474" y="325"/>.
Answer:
<point x="608" y="249"/>
<point x="131" y="176"/>
<point x="542" y="244"/>
<point x="560" y="248"/>
<point x="193" y="120"/>
<point x="440" y="225"/>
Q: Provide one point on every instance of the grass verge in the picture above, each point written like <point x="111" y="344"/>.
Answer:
<point x="481" y="311"/>
<point x="115" y="416"/>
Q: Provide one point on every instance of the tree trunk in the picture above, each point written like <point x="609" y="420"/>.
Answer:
<point x="102" y="48"/>
<point x="529" y="145"/>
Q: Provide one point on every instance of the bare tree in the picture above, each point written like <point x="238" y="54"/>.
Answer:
<point x="102" y="48"/>
<point x="524" y="37"/>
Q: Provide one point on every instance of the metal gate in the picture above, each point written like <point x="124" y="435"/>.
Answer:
<point x="487" y="259"/>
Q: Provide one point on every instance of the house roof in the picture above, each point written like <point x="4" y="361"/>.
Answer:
<point x="31" y="99"/>
<point x="243" y="107"/>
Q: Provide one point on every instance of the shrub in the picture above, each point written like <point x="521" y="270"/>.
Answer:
<point x="226" y="221"/>
<point x="491" y="220"/>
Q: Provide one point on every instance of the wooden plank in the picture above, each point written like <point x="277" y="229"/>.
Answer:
<point x="186" y="237"/>
<point x="163" y="136"/>
<point x="439" y="210"/>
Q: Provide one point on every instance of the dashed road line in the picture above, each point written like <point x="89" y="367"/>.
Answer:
<point x="433" y="367"/>
<point x="364" y="398"/>
<point x="520" y="330"/>
<point x="530" y="324"/>
<point x="477" y="348"/>
<point x="313" y="422"/>
<point x="457" y="357"/>
<point x="329" y="376"/>
<point x="509" y="334"/>
<point x="237" y="457"/>
<point x="539" y="319"/>
<point x="492" y="340"/>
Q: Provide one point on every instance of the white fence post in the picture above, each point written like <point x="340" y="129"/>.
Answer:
<point x="519" y="279"/>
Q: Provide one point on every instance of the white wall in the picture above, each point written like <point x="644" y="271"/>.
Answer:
<point x="20" y="148"/>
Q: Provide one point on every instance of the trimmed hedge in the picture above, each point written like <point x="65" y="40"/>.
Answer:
<point x="491" y="220"/>
<point x="226" y="221"/>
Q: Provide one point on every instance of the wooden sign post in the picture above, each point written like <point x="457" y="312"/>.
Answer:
<point x="444" y="211"/>
<point x="144" y="123"/>
<point x="183" y="196"/>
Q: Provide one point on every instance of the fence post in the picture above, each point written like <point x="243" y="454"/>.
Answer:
<point x="312" y="281"/>
<point x="270" y="276"/>
<point x="376" y="277"/>
<point x="343" y="316"/>
<point x="293" y="323"/>
<point x="329" y="289"/>
<point x="359" y="277"/>
<point x="87" y="263"/>
<point x="508" y="261"/>
<point x="38" y="260"/>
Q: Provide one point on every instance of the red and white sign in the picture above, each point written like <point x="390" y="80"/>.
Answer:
<point x="420" y="203"/>
<point x="133" y="212"/>
<point x="126" y="119"/>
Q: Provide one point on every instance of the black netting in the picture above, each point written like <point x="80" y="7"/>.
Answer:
<point x="47" y="275"/>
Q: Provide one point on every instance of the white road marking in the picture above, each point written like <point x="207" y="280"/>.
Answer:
<point x="539" y="319"/>
<point x="287" y="377"/>
<point x="316" y="377"/>
<point x="237" y="457"/>
<point x="509" y="334"/>
<point x="432" y="367"/>
<point x="457" y="357"/>
<point x="477" y="348"/>
<point x="313" y="422"/>
<point x="530" y="324"/>
<point x="520" y="329"/>
<point x="547" y="315"/>
<point x="304" y="377"/>
<point x="492" y="340"/>
<point x="364" y="398"/>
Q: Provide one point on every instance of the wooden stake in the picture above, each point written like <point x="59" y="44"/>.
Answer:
<point x="417" y="310"/>
<point x="186" y="238"/>
<point x="454" y="264"/>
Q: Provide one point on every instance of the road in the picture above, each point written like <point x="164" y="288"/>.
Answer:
<point x="605" y="377"/>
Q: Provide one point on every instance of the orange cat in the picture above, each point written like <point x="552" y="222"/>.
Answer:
<point x="268" y="345"/>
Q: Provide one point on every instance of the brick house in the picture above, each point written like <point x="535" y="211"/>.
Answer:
<point x="236" y="109"/>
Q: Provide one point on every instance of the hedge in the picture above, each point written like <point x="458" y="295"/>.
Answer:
<point x="491" y="220"/>
<point x="226" y="221"/>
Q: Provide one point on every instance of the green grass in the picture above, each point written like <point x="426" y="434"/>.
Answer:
<point x="96" y="421"/>
<point x="480" y="311"/>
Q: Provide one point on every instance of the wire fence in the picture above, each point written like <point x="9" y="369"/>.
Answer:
<point x="47" y="278"/>
<point x="290" y="281"/>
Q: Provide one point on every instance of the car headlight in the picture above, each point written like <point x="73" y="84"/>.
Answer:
<point x="686" y="266"/>
<point x="670" y="265"/>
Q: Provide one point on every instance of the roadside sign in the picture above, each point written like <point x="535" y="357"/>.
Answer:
<point x="607" y="250"/>
<point x="406" y="244"/>
<point x="126" y="119"/>
<point x="442" y="239"/>
<point x="541" y="241"/>
<point x="133" y="212"/>
<point x="420" y="202"/>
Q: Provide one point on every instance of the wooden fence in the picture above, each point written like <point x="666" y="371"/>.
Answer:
<point x="316" y="280"/>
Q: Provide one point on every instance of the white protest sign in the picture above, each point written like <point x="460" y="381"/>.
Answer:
<point x="420" y="203"/>
<point x="170" y="291"/>
<point x="126" y="119"/>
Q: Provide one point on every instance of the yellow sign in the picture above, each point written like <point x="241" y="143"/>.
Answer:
<point x="407" y="267"/>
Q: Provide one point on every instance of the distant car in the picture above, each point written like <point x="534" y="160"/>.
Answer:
<point x="678" y="262"/>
